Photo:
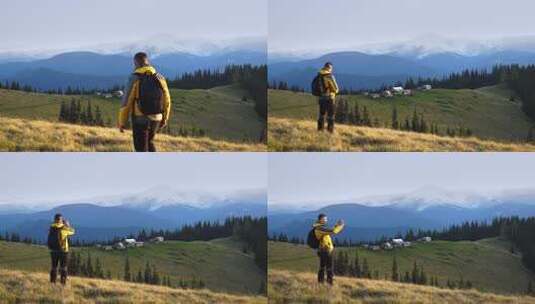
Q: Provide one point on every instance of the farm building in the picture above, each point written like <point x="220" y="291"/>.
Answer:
<point x="129" y="242"/>
<point x="425" y="239"/>
<point x="387" y="246"/>
<point x="119" y="246"/>
<point x="426" y="87"/>
<point x="407" y="244"/>
<point x="375" y="96"/>
<point x="375" y="248"/>
<point x="107" y="95"/>
<point x="157" y="239"/>
<point x="107" y="248"/>
<point x="407" y="92"/>
<point x="387" y="94"/>
<point x="397" y="90"/>
<point x="118" y="93"/>
<point x="397" y="242"/>
<point x="138" y="244"/>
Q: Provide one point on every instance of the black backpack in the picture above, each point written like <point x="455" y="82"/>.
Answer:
<point x="317" y="86"/>
<point x="150" y="94"/>
<point x="53" y="239"/>
<point x="312" y="240"/>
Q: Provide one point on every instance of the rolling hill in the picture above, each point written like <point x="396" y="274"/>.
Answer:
<point x="443" y="259"/>
<point x="301" y="135"/>
<point x="294" y="287"/>
<point x="220" y="112"/>
<point x="488" y="112"/>
<point x="38" y="135"/>
<point x="220" y="263"/>
<point x="32" y="287"/>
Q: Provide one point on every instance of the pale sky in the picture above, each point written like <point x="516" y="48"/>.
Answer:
<point x="27" y="178"/>
<point x="324" y="178"/>
<point x="317" y="24"/>
<point x="38" y="24"/>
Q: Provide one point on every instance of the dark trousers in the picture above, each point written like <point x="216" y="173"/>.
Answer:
<point x="326" y="266"/>
<point x="59" y="258"/>
<point x="326" y="104"/>
<point x="144" y="130"/>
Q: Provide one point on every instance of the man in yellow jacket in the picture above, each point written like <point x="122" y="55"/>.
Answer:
<point x="58" y="243"/>
<point x="329" y="89"/>
<point x="326" y="246"/>
<point x="147" y="101"/>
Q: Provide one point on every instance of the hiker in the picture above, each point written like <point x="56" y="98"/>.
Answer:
<point x="327" y="88"/>
<point x="326" y="246"/>
<point x="58" y="243"/>
<point x="147" y="101"/>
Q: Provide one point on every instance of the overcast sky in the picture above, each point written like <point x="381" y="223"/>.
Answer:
<point x="37" y="24"/>
<point x="324" y="178"/>
<point x="29" y="177"/>
<point x="319" y="24"/>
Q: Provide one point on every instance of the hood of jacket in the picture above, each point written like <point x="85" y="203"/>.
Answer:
<point x="57" y="225"/>
<point x="145" y="70"/>
<point x="325" y="71"/>
<point x="318" y="224"/>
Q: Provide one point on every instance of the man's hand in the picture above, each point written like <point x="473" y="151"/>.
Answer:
<point x="340" y="222"/>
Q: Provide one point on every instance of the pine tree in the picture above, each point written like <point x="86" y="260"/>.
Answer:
<point x="155" y="278"/>
<point x="530" y="288"/>
<point x="139" y="277"/>
<point x="415" y="275"/>
<point x="415" y="122"/>
<point x="365" y="269"/>
<point x="395" y="122"/>
<point x="147" y="278"/>
<point x="395" y="271"/>
<point x="89" y="266"/>
<point x="99" y="273"/>
<point x="407" y="278"/>
<point x="108" y="275"/>
<point x="127" y="276"/>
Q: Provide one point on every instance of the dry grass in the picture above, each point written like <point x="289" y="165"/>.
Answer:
<point x="301" y="135"/>
<point x="27" y="287"/>
<point x="34" y="135"/>
<point x="290" y="287"/>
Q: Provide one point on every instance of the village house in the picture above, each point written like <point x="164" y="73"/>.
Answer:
<point x="397" y="242"/>
<point x="129" y="242"/>
<point x="157" y="239"/>
<point x="397" y="90"/>
<point x="107" y="248"/>
<point x="425" y="239"/>
<point x="119" y="246"/>
<point x="387" y="246"/>
<point x="118" y="93"/>
<point x="407" y="92"/>
<point x="426" y="87"/>
<point x="375" y="96"/>
<point x="387" y="94"/>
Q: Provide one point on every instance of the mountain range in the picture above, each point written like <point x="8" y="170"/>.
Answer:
<point x="90" y="70"/>
<point x="371" y="218"/>
<point x="122" y="215"/>
<point x="358" y="70"/>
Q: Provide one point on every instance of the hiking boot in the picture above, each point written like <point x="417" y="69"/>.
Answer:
<point x="321" y="277"/>
<point x="63" y="278"/>
<point x="321" y="124"/>
<point x="53" y="276"/>
<point x="330" y="126"/>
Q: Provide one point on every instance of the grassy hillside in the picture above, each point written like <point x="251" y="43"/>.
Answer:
<point x="31" y="287"/>
<point x="488" y="112"/>
<point x="292" y="287"/>
<point x="219" y="111"/>
<point x="486" y="263"/>
<point x="219" y="263"/>
<point x="301" y="135"/>
<point x="36" y="135"/>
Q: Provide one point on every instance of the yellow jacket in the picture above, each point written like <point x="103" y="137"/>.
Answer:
<point x="64" y="234"/>
<point x="132" y="95"/>
<point x="323" y="234"/>
<point x="329" y="83"/>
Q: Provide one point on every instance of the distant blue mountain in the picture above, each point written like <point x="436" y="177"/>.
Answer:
<point x="101" y="223"/>
<point x="90" y="70"/>
<point x="366" y="223"/>
<point x="364" y="71"/>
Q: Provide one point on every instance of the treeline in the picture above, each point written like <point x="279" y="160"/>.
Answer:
<point x="75" y="113"/>
<point x="151" y="276"/>
<point x="77" y="266"/>
<point x="252" y="78"/>
<point x="518" y="78"/>
<point x="361" y="116"/>
<point x="16" y="86"/>
<point x="520" y="231"/>
<point x="252" y="231"/>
